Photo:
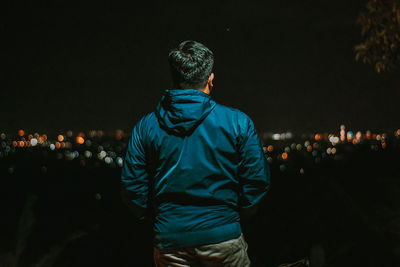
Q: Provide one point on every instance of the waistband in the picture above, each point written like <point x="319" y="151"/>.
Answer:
<point x="197" y="238"/>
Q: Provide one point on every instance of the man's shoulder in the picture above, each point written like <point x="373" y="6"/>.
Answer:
<point x="146" y="121"/>
<point x="231" y="111"/>
<point x="148" y="117"/>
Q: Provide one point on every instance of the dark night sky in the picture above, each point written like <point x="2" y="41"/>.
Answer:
<point x="288" y="64"/>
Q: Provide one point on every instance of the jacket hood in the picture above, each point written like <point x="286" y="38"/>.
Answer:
<point x="181" y="110"/>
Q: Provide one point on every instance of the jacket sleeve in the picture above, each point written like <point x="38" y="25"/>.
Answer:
<point x="254" y="172"/>
<point x="134" y="175"/>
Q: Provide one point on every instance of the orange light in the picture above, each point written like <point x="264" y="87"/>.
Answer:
<point x="14" y="143"/>
<point x="284" y="155"/>
<point x="309" y="148"/>
<point x="119" y="134"/>
<point x="30" y="137"/>
<point x="62" y="145"/>
<point x="92" y="133"/>
<point x="270" y="148"/>
<point x="398" y="132"/>
<point x="58" y="145"/>
<point x="383" y="144"/>
<point x="333" y="151"/>
<point x="60" y="137"/>
<point x="317" y="137"/>
<point x="44" y="137"/>
<point x="21" y="143"/>
<point x="354" y="141"/>
<point x="80" y="140"/>
<point x="349" y="136"/>
<point x="21" y="132"/>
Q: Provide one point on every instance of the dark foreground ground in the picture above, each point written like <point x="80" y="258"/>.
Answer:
<point x="344" y="210"/>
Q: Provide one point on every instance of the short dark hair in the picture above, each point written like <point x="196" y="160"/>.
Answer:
<point x="191" y="63"/>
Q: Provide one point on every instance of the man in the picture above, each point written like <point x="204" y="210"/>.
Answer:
<point x="196" y="164"/>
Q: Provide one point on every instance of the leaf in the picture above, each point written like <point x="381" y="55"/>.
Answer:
<point x="360" y="47"/>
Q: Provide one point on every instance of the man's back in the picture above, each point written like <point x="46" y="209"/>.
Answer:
<point x="196" y="164"/>
<point x="204" y="161"/>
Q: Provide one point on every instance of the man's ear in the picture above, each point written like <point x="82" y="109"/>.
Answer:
<point x="210" y="80"/>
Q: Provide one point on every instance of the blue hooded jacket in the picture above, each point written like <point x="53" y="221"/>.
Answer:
<point x="197" y="164"/>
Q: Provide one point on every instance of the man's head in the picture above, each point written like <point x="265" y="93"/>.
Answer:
<point x="191" y="65"/>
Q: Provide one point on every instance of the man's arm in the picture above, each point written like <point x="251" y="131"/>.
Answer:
<point x="134" y="175"/>
<point x="254" y="173"/>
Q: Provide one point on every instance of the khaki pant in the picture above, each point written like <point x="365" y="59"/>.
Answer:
<point x="228" y="253"/>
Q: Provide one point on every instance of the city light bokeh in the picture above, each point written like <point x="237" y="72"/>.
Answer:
<point x="98" y="148"/>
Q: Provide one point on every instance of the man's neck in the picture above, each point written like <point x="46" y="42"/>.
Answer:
<point x="206" y="90"/>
